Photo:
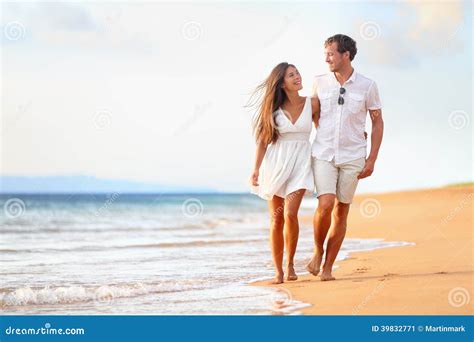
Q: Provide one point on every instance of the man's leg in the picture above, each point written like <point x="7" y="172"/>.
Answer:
<point x="325" y="177"/>
<point x="338" y="232"/>
<point x="321" y="224"/>
<point x="346" y="187"/>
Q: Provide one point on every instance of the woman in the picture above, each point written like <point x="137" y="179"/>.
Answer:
<point x="282" y="172"/>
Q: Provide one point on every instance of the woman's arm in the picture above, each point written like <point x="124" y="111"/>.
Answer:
<point x="259" y="154"/>
<point x="315" y="106"/>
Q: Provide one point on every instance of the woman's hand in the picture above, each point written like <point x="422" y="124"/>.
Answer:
<point x="254" y="178"/>
<point x="259" y="155"/>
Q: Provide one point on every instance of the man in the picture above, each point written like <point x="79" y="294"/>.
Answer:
<point x="339" y="152"/>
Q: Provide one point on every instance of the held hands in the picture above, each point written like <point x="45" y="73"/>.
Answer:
<point x="368" y="169"/>
<point x="254" y="178"/>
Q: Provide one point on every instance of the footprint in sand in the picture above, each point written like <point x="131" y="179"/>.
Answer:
<point x="390" y="274"/>
<point x="361" y="270"/>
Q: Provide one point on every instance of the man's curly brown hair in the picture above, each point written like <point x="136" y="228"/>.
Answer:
<point x="344" y="43"/>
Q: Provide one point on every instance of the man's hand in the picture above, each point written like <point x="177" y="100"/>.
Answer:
<point x="368" y="169"/>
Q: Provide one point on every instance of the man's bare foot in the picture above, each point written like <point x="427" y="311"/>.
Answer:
<point x="291" y="274"/>
<point x="326" y="276"/>
<point x="278" y="279"/>
<point x="315" y="264"/>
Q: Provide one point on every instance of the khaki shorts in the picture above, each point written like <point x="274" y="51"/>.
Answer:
<point x="340" y="180"/>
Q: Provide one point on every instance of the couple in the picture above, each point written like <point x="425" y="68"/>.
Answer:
<point x="287" y="165"/>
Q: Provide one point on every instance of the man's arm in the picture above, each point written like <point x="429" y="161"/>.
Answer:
<point x="376" y="141"/>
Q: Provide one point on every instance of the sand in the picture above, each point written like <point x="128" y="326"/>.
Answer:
<point x="432" y="277"/>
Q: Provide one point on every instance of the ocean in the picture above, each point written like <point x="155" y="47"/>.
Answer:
<point x="145" y="254"/>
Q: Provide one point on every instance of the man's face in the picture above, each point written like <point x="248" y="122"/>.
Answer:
<point x="334" y="59"/>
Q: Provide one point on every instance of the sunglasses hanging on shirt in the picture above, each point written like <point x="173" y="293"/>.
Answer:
<point x="340" y="100"/>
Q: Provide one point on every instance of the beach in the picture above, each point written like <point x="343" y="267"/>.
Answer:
<point x="197" y="254"/>
<point x="431" y="276"/>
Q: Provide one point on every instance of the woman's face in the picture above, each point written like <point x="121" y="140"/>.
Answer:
<point x="292" y="80"/>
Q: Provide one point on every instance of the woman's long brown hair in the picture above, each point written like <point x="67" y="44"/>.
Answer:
<point x="264" y="127"/>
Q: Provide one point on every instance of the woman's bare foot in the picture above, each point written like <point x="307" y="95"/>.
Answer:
<point x="278" y="279"/>
<point x="315" y="264"/>
<point x="326" y="276"/>
<point x="291" y="274"/>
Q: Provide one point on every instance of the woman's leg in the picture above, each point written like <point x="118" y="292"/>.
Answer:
<point x="292" y="205"/>
<point x="276" y="210"/>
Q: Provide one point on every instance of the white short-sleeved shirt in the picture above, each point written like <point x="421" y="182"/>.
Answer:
<point x="340" y="134"/>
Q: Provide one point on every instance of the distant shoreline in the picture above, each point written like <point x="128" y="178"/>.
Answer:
<point x="204" y="193"/>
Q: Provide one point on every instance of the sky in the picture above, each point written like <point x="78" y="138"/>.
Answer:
<point x="156" y="91"/>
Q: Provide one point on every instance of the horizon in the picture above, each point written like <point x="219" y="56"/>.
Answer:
<point x="189" y="191"/>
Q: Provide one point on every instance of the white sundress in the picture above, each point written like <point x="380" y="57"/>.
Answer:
<point x="286" y="166"/>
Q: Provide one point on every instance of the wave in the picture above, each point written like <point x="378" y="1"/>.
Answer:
<point x="39" y="227"/>
<point x="87" y="229"/>
<point x="184" y="244"/>
<point x="98" y="295"/>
